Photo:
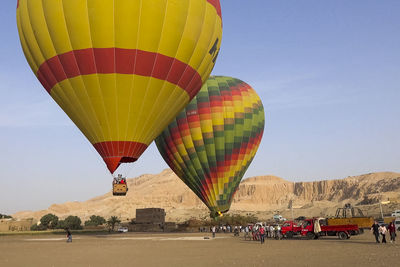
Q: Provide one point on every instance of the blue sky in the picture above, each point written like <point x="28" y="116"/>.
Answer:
<point x="328" y="73"/>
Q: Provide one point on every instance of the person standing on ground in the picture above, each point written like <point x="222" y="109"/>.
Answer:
<point x="383" y="230"/>
<point x="262" y="234"/>
<point x="278" y="231"/>
<point x="213" y="231"/>
<point x="246" y="233"/>
<point x="69" y="235"/>
<point x="236" y="231"/>
<point x="392" y="232"/>
<point x="375" y="231"/>
<point x="271" y="231"/>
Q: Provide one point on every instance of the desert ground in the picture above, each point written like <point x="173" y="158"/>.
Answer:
<point x="139" y="249"/>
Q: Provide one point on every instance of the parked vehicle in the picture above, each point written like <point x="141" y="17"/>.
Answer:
<point x="278" y="217"/>
<point x="397" y="223"/>
<point x="290" y="229"/>
<point x="396" y="214"/>
<point x="351" y="215"/>
<point x="123" y="229"/>
<point x="314" y="228"/>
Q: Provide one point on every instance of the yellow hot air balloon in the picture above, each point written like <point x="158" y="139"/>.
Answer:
<point x="121" y="69"/>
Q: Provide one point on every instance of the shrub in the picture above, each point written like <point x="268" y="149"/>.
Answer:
<point x="39" y="227"/>
<point x="95" y="221"/>
<point x="61" y="224"/>
<point x="73" y="223"/>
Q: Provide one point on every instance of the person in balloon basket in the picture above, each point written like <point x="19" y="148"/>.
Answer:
<point x="69" y="235"/>
<point x="375" y="231"/>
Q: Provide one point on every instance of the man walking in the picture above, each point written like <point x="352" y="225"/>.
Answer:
<point x="375" y="231"/>
<point x="69" y="235"/>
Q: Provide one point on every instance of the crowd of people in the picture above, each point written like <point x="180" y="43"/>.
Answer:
<point x="256" y="232"/>
<point x="380" y="231"/>
<point x="259" y="232"/>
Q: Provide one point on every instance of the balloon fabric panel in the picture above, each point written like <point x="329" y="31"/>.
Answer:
<point x="213" y="140"/>
<point x="120" y="69"/>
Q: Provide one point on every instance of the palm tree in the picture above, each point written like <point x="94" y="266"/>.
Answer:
<point x="112" y="222"/>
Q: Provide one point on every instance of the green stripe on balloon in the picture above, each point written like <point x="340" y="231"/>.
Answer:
<point x="213" y="163"/>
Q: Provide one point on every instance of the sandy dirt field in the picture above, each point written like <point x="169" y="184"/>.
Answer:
<point x="132" y="249"/>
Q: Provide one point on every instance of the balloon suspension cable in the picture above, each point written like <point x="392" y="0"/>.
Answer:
<point x="125" y="170"/>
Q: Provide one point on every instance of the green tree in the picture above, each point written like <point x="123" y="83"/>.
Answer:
<point x="95" y="221"/>
<point x="73" y="223"/>
<point x="3" y="216"/>
<point x="49" y="221"/>
<point x="112" y="222"/>
<point x="61" y="224"/>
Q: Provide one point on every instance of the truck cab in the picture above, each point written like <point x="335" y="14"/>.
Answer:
<point x="290" y="229"/>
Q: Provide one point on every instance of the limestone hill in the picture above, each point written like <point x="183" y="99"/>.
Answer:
<point x="263" y="195"/>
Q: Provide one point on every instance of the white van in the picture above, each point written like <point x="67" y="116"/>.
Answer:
<point x="396" y="214"/>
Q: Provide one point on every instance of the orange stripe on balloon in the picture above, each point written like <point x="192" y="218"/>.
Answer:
<point x="122" y="61"/>
<point x="116" y="152"/>
<point x="217" y="6"/>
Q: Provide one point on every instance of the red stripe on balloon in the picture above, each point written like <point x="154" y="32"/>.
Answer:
<point x="116" y="152"/>
<point x="122" y="61"/>
<point x="217" y="6"/>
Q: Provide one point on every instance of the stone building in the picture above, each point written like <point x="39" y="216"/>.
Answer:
<point x="10" y="225"/>
<point x="150" y="216"/>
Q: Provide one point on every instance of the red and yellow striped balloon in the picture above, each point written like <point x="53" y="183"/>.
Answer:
<point x="121" y="69"/>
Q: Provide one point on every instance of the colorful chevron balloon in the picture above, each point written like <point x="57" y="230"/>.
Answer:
<point x="212" y="142"/>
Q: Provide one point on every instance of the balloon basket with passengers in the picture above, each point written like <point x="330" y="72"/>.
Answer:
<point x="120" y="187"/>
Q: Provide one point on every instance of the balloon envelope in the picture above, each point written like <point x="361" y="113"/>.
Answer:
<point x="120" y="69"/>
<point x="212" y="142"/>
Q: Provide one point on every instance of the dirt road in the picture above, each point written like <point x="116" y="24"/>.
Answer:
<point x="192" y="250"/>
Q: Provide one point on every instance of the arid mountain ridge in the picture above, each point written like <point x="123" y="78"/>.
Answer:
<point x="263" y="195"/>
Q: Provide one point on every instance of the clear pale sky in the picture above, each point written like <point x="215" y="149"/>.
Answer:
<point x="328" y="73"/>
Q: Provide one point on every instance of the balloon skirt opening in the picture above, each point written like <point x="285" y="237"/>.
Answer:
<point x="217" y="214"/>
<point x="116" y="152"/>
<point x="113" y="163"/>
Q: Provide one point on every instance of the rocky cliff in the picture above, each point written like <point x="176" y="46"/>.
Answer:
<point x="263" y="195"/>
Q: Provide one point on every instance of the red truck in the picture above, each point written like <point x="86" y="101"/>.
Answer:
<point x="290" y="229"/>
<point x="307" y="228"/>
